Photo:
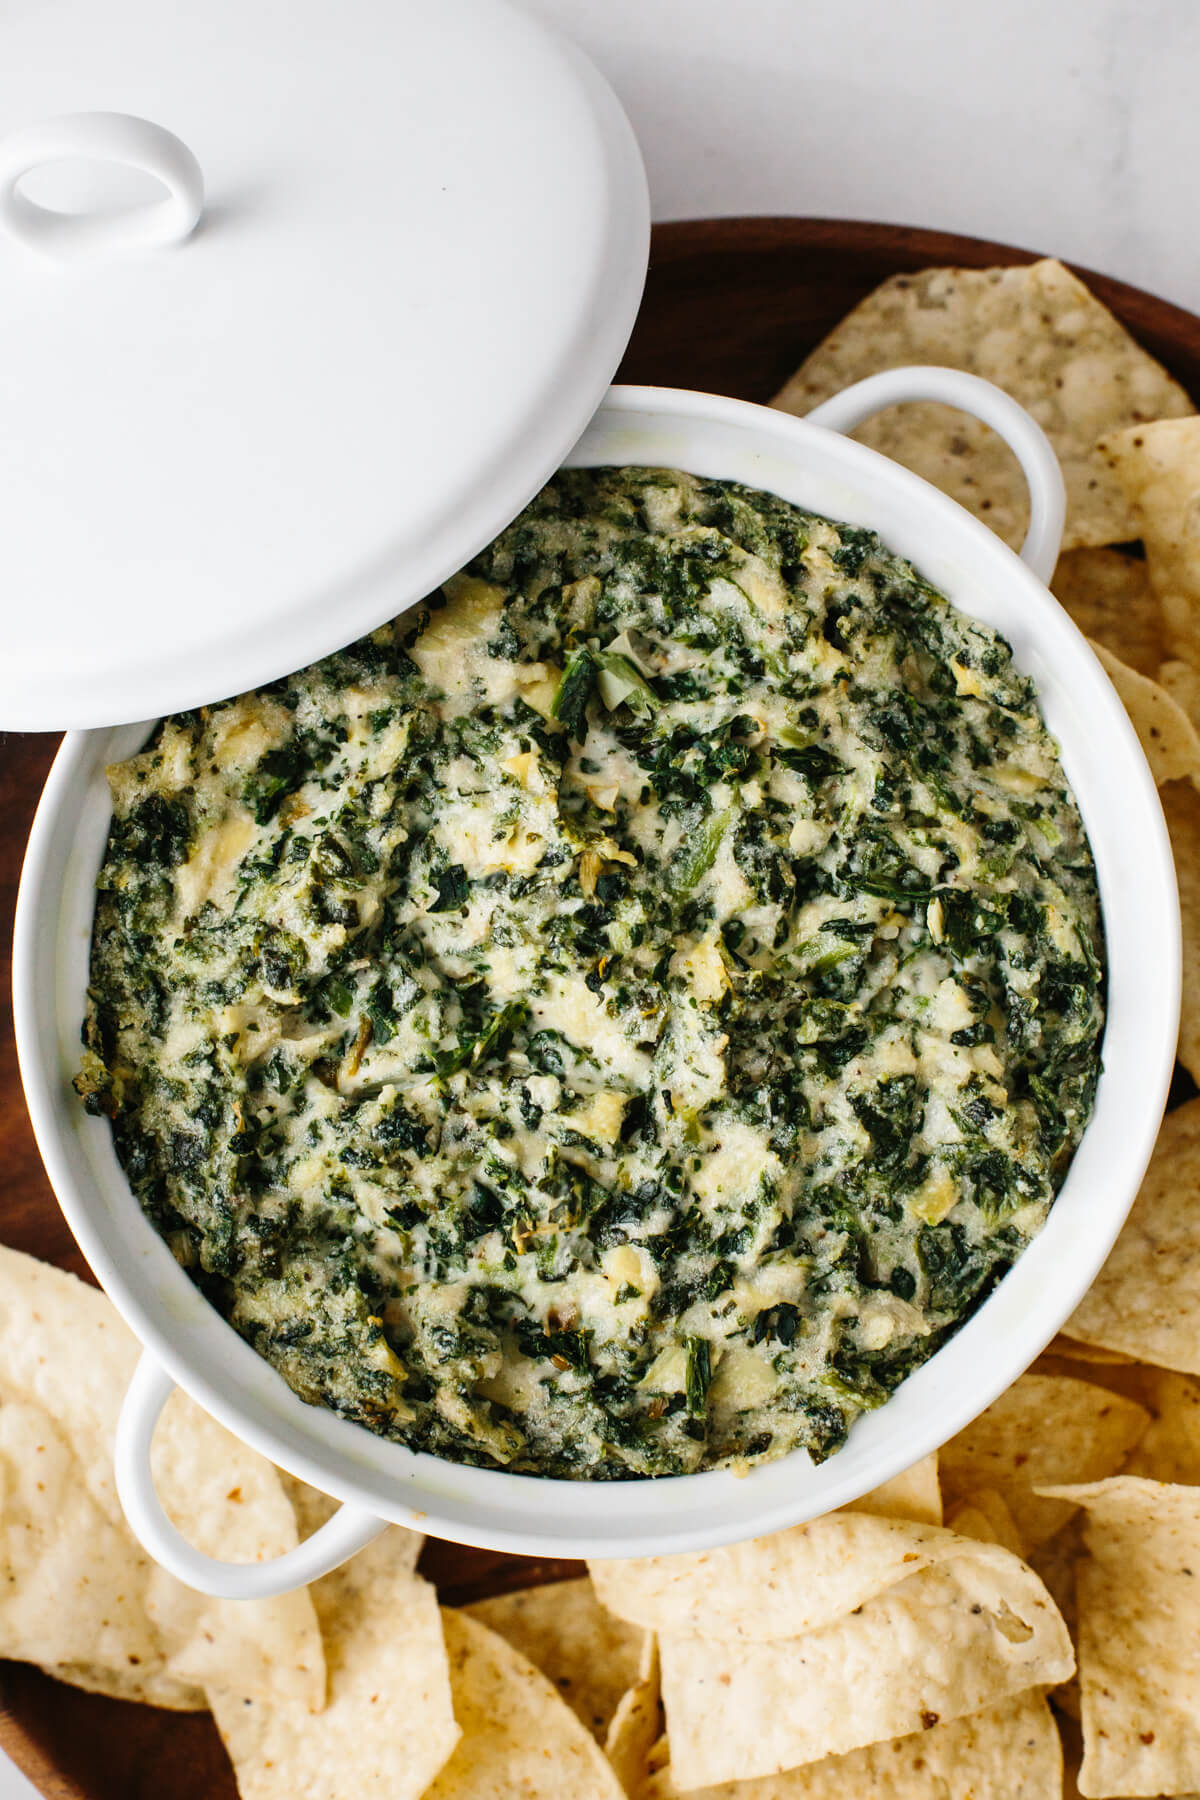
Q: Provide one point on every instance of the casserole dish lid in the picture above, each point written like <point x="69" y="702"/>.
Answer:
<point x="290" y="332"/>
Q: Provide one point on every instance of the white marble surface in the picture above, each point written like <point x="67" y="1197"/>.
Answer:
<point x="1068" y="126"/>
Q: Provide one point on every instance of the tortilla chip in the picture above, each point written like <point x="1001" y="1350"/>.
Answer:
<point x="1181" y="807"/>
<point x="773" y="1587"/>
<point x="914" y="1494"/>
<point x="1168" y="738"/>
<point x="638" y="1723"/>
<point x="982" y="1514"/>
<point x="1182" y="682"/>
<point x="955" y="1638"/>
<point x="1170" y="1448"/>
<point x="1044" y="1429"/>
<point x="590" y="1656"/>
<point x="1146" y="1299"/>
<point x="74" y="1582"/>
<point x="1109" y="596"/>
<point x="519" y="1740"/>
<point x="156" y="1689"/>
<point x="80" y="1593"/>
<point x="1036" y="332"/>
<point x="1139" y="1637"/>
<point x="1158" y="468"/>
<point x="388" y="1725"/>
<point x="1008" y="1752"/>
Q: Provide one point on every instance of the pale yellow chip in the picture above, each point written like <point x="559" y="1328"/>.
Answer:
<point x="773" y="1587"/>
<point x="520" y="1741"/>
<point x="1036" y="332"/>
<point x="1146" y="1299"/>
<point x="1158" y="468"/>
<point x="79" y="1593"/>
<point x="1043" y="1429"/>
<point x="638" y="1723"/>
<point x="1168" y="738"/>
<point x="1007" y="1752"/>
<point x="1181" y="807"/>
<point x="914" y="1494"/>
<point x="1109" y="596"/>
<point x="586" y="1652"/>
<point x="957" y="1637"/>
<point x="388" y="1725"/>
<point x="1170" y="1447"/>
<point x="983" y="1514"/>
<point x="1139" y="1637"/>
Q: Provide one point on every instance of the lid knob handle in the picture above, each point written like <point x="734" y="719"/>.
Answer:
<point x="100" y="137"/>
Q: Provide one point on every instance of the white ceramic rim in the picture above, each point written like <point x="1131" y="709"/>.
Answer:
<point x="811" y="466"/>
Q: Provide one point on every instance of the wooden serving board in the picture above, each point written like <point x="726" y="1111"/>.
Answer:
<point x="731" y="307"/>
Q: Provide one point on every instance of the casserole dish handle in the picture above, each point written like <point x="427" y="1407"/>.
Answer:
<point x="349" y="1530"/>
<point x="988" y="403"/>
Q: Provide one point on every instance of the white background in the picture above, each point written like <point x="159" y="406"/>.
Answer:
<point x="1067" y="126"/>
<point x="1064" y="127"/>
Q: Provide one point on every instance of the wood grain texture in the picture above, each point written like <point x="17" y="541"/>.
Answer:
<point x="731" y="306"/>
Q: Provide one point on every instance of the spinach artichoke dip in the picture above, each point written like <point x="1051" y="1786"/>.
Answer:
<point x="621" y="1018"/>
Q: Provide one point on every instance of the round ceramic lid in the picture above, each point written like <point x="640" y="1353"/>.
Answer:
<point x="229" y="449"/>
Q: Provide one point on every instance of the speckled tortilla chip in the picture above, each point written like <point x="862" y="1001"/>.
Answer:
<point x="388" y="1724"/>
<point x="1146" y="1298"/>
<point x="1008" y="1752"/>
<point x="1109" y="596"/>
<point x="946" y="1642"/>
<point x="1181" y="808"/>
<point x="519" y="1741"/>
<point x="1045" y="1428"/>
<point x="1036" y="332"/>
<point x="1158" y="468"/>
<point x="773" y="1587"/>
<point x="1168" y="738"/>
<point x="78" y="1592"/>
<point x="1138" y="1590"/>
<point x="586" y="1652"/>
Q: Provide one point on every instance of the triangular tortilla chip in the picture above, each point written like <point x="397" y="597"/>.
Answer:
<point x="1146" y="1299"/>
<point x="589" y="1655"/>
<point x="1008" y="1752"/>
<point x="1109" y="596"/>
<point x="80" y="1592"/>
<point x="773" y="1587"/>
<point x="1041" y="336"/>
<point x="1168" y="738"/>
<point x="955" y="1638"/>
<point x="1139" y="1636"/>
<point x="519" y="1741"/>
<point x="388" y="1725"/>
<point x="1045" y="1428"/>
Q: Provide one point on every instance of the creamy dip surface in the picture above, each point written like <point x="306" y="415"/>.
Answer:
<point x="621" y="1018"/>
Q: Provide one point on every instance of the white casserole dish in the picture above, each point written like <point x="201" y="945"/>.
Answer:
<point x="188" y="1343"/>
